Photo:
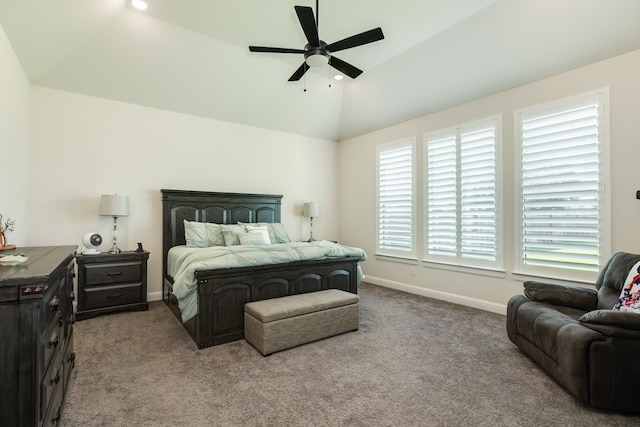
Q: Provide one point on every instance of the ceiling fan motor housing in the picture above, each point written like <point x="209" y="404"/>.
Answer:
<point x="316" y="56"/>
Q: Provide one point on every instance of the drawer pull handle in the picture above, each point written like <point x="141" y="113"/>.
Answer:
<point x="116" y="296"/>
<point x="114" y="274"/>
<point x="56" y="415"/>
<point x="54" y="340"/>
<point x="54" y="304"/>
<point x="55" y="377"/>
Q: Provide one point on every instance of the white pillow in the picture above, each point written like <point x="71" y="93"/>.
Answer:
<point x="277" y="232"/>
<point x="630" y="296"/>
<point x="202" y="234"/>
<point x="262" y="230"/>
<point x="252" y="238"/>
<point x="231" y="233"/>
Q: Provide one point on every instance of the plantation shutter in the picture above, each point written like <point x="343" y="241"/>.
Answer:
<point x="442" y="211"/>
<point x="395" y="198"/>
<point x="461" y="195"/>
<point x="478" y="194"/>
<point x="560" y="198"/>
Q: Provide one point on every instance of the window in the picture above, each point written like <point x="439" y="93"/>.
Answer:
<point x="562" y="203"/>
<point x="396" y="170"/>
<point x="461" y="201"/>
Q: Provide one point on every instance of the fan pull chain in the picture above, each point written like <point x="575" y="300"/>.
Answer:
<point x="305" y="78"/>
<point x="329" y="69"/>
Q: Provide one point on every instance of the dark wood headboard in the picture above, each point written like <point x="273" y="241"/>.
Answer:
<point x="206" y="206"/>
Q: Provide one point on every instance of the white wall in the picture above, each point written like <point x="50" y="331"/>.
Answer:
<point x="14" y="141"/>
<point x="358" y="178"/>
<point x="82" y="147"/>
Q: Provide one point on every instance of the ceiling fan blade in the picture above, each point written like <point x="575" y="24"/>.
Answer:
<point x="274" y="49"/>
<point x="344" y="67"/>
<point x="308" y="23"/>
<point x="357" y="40"/>
<point x="297" y="75"/>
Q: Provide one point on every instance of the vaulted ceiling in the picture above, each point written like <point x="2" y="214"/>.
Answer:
<point x="192" y="57"/>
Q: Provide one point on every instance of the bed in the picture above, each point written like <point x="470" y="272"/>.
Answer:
<point x="221" y="293"/>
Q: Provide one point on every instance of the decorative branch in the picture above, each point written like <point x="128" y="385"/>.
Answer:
<point x="8" y="226"/>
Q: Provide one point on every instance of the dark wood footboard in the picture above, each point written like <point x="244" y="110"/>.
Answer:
<point x="222" y="294"/>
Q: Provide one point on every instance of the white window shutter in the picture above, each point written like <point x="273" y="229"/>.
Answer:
<point x="395" y="198"/>
<point x="462" y="195"/>
<point x="478" y="194"/>
<point x="442" y="205"/>
<point x="560" y="188"/>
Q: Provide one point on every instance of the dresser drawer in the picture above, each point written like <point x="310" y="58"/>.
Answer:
<point x="51" y="302"/>
<point x="102" y="274"/>
<point x="108" y="296"/>
<point x="52" y="385"/>
<point x="51" y="339"/>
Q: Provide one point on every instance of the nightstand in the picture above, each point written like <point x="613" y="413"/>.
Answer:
<point x="111" y="282"/>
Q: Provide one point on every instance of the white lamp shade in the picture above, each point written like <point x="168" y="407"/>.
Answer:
<point x="114" y="205"/>
<point x="311" y="210"/>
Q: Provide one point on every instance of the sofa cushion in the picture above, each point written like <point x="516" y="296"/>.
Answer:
<point x="569" y="296"/>
<point x="541" y="323"/>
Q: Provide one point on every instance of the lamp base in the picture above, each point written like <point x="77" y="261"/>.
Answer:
<point x="114" y="250"/>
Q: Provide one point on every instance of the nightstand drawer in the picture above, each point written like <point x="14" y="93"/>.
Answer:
<point x="108" y="296"/>
<point x="102" y="274"/>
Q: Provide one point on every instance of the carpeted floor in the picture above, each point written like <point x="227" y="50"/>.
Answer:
<point x="413" y="362"/>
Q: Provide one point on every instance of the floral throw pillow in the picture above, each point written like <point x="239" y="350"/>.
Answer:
<point x="630" y="296"/>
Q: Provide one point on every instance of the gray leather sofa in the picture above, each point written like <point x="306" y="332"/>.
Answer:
<point x="574" y="335"/>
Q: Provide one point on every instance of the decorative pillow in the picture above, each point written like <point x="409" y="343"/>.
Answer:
<point x="252" y="238"/>
<point x="630" y="296"/>
<point x="231" y="233"/>
<point x="195" y="234"/>
<point x="214" y="233"/>
<point x="278" y="233"/>
<point x="262" y="230"/>
<point x="202" y="234"/>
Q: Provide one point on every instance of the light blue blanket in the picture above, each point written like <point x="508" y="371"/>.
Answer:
<point x="184" y="262"/>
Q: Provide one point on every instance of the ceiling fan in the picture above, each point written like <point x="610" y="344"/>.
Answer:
<point x="318" y="53"/>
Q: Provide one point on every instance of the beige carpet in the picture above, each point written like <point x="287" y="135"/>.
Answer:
<point x="413" y="362"/>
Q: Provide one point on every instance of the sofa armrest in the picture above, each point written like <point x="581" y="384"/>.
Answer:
<point x="613" y="323"/>
<point x="567" y="296"/>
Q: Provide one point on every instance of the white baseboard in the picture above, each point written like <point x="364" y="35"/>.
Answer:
<point x="439" y="295"/>
<point x="154" y="296"/>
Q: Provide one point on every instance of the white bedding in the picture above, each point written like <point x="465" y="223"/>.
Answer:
<point x="183" y="262"/>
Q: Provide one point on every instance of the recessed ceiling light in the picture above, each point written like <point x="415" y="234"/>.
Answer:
<point x="139" y="4"/>
<point x="338" y="77"/>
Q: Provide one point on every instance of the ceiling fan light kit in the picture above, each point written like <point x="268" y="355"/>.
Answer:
<point x="316" y="58"/>
<point x="317" y="53"/>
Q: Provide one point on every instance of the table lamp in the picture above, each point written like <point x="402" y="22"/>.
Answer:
<point x="114" y="205"/>
<point x="311" y="210"/>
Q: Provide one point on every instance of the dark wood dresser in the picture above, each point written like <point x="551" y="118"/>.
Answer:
<point x="36" y="335"/>
<point x="111" y="282"/>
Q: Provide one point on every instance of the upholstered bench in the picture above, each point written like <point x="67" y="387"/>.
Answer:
<point x="281" y="323"/>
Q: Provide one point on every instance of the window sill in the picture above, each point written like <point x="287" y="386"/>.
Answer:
<point x="480" y="271"/>
<point x="396" y="258"/>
